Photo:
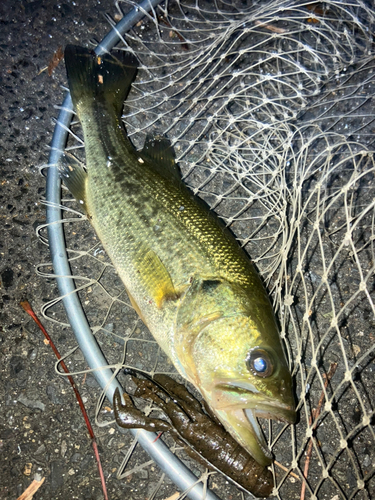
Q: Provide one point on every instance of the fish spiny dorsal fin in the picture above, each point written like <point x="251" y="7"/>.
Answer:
<point x="74" y="177"/>
<point x="160" y="154"/>
<point x="106" y="78"/>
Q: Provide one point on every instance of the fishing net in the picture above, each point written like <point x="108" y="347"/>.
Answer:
<point x="268" y="106"/>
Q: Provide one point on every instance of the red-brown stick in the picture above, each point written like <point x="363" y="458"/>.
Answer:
<point x="27" y="307"/>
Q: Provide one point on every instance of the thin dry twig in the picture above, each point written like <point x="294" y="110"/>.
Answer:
<point x="54" y="61"/>
<point x="270" y="27"/>
<point x="27" y="307"/>
<point x="314" y="416"/>
<point x="175" y="496"/>
<point x="278" y="464"/>
<point x="31" y="489"/>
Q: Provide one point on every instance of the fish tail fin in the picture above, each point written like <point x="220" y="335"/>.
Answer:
<point x="103" y="79"/>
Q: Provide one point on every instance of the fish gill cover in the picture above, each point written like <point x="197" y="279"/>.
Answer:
<point x="269" y="109"/>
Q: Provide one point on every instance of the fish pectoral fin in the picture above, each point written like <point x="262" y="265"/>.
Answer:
<point x="159" y="152"/>
<point x="155" y="276"/>
<point x="74" y="177"/>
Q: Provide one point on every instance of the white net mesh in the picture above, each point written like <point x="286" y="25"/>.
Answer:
<point x="269" y="108"/>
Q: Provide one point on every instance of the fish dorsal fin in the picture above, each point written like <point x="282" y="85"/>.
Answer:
<point x="74" y="177"/>
<point x="155" y="276"/>
<point x="159" y="152"/>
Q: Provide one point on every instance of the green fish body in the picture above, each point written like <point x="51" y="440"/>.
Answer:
<point x="186" y="276"/>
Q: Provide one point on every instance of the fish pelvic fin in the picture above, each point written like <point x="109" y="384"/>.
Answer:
<point x="94" y="78"/>
<point x="74" y="177"/>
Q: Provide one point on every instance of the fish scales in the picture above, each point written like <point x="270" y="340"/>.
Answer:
<point x="128" y="216"/>
<point x="185" y="274"/>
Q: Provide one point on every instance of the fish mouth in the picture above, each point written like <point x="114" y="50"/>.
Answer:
<point x="239" y="407"/>
<point x="236" y="395"/>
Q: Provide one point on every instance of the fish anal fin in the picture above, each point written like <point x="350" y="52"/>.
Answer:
<point x="74" y="177"/>
<point x="160" y="154"/>
<point x="155" y="276"/>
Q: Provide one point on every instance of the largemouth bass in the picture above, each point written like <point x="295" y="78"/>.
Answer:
<point x="185" y="274"/>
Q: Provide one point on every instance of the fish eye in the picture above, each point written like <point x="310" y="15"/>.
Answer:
<point x="260" y="362"/>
